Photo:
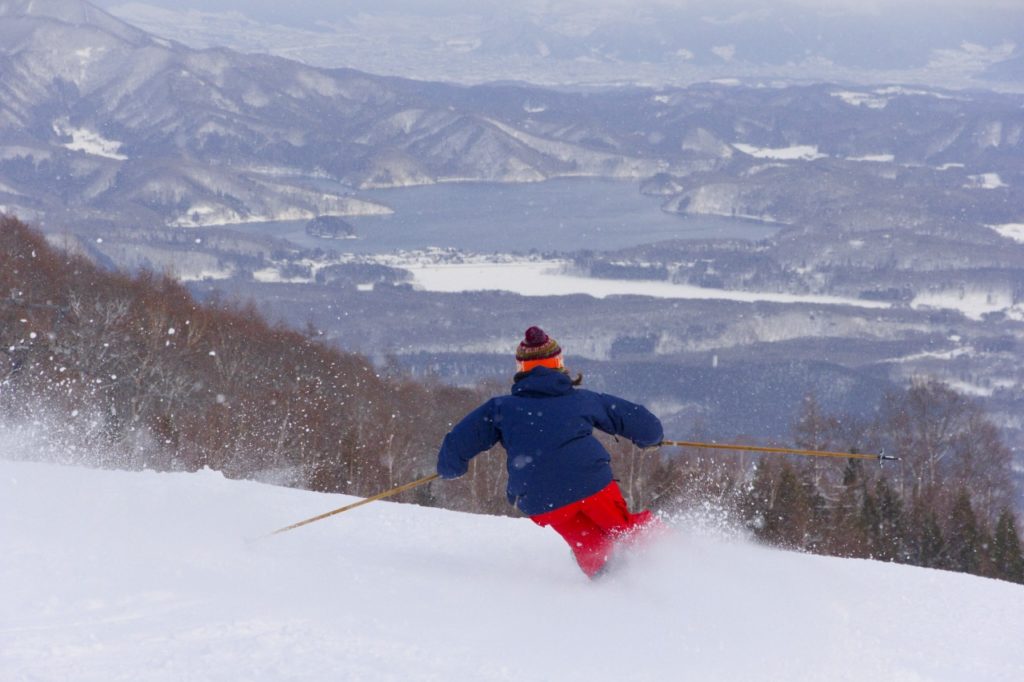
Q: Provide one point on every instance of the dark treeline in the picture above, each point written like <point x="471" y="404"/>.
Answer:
<point x="948" y="503"/>
<point x="133" y="372"/>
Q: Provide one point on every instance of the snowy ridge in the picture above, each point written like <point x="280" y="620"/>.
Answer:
<point x="144" y="576"/>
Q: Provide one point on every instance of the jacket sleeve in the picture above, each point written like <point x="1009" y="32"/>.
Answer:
<point x="635" y="422"/>
<point x="471" y="436"/>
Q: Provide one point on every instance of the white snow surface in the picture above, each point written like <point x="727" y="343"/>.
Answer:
<point x="91" y="142"/>
<point x="873" y="158"/>
<point x="799" y="152"/>
<point x="879" y="98"/>
<point x="550" y="278"/>
<point x="1014" y="231"/>
<point x="973" y="303"/>
<point x="985" y="181"/>
<point x="862" y="99"/>
<point x="141" y="576"/>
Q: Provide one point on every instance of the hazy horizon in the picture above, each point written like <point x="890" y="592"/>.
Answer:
<point x="953" y="43"/>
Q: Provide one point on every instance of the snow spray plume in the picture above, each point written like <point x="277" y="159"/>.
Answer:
<point x="36" y="430"/>
<point x="53" y="425"/>
<point x="707" y="518"/>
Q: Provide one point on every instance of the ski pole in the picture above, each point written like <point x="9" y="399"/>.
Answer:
<point x="378" y="496"/>
<point x="881" y="457"/>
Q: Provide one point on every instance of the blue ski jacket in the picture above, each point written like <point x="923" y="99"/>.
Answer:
<point x="546" y="426"/>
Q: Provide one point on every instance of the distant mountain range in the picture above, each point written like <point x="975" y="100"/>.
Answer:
<point x="947" y="43"/>
<point x="120" y="126"/>
<point x="117" y="127"/>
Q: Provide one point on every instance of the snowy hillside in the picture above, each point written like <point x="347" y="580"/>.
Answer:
<point x="144" y="576"/>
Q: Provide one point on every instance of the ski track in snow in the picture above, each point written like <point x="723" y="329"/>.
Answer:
<point x="139" y="576"/>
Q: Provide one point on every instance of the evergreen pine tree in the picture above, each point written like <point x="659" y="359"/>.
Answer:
<point x="790" y="516"/>
<point x="845" y="530"/>
<point x="1007" y="557"/>
<point x="819" y="519"/>
<point x="869" y="522"/>
<point x="965" y="538"/>
<point x="886" y="535"/>
<point x="925" y="544"/>
<point x="931" y="544"/>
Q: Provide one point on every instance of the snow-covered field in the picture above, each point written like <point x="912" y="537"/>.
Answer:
<point x="433" y="270"/>
<point x="985" y="181"/>
<point x="973" y="303"/>
<point x="112" y="575"/>
<point x="550" y="278"/>
<point x="1014" y="231"/>
<point x="802" y="152"/>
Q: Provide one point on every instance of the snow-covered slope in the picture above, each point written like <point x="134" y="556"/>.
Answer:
<point x="144" y="576"/>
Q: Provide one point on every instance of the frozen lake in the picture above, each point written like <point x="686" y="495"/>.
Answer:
<point x="567" y="214"/>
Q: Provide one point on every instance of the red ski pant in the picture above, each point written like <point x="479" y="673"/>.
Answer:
<point x="593" y="525"/>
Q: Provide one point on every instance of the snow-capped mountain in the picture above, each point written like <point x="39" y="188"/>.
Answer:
<point x="103" y="123"/>
<point x="101" y="118"/>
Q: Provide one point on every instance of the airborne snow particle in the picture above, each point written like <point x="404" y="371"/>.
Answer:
<point x="521" y="461"/>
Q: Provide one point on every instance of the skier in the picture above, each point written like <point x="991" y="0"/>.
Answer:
<point x="558" y="473"/>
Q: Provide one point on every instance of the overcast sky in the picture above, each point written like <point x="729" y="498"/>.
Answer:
<point x="328" y="8"/>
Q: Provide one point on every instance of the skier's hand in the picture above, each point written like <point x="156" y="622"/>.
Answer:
<point x="448" y="474"/>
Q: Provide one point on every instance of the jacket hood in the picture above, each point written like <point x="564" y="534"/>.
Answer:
<point x="542" y="381"/>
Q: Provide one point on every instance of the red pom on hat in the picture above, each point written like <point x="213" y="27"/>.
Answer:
<point x="535" y="336"/>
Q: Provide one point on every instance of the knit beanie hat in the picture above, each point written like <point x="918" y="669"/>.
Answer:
<point x="538" y="349"/>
